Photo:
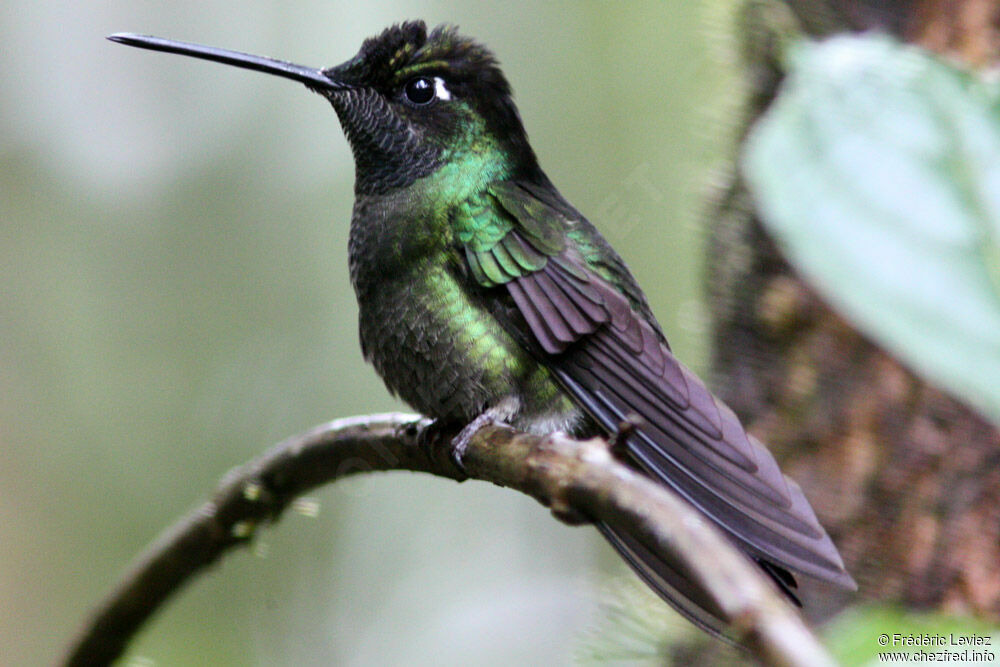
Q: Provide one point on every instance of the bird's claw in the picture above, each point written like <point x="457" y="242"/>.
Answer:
<point x="460" y="443"/>
<point x="625" y="429"/>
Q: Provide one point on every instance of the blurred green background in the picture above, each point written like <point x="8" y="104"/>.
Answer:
<point x="175" y="299"/>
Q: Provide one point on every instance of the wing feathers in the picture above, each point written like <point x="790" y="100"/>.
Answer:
<point x="578" y="320"/>
<point x="506" y="260"/>
<point x="794" y="546"/>
<point x="527" y="297"/>
<point x="526" y="256"/>
<point x="616" y="363"/>
<point x="667" y="444"/>
<point x="688" y="440"/>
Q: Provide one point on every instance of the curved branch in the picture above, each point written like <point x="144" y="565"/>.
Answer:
<point x="579" y="480"/>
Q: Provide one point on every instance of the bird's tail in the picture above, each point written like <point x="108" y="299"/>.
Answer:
<point x="672" y="581"/>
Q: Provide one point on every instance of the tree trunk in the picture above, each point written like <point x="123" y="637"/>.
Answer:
<point x="905" y="478"/>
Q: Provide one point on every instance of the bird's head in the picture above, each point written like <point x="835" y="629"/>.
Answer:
<point x="411" y="103"/>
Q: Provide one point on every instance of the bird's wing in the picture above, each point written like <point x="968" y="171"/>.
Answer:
<point x="613" y="360"/>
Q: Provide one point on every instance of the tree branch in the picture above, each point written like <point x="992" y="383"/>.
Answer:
<point x="580" y="481"/>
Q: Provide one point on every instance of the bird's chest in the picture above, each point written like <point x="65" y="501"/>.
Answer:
<point x="429" y="340"/>
<point x="428" y="329"/>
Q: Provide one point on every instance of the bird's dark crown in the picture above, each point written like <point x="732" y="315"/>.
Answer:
<point x="396" y="142"/>
<point x="406" y="50"/>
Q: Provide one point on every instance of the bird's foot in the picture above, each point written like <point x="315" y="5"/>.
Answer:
<point x="494" y="416"/>
<point x="425" y="432"/>
<point x="429" y="436"/>
<point x="418" y="430"/>
<point x="461" y="441"/>
<point x="625" y="429"/>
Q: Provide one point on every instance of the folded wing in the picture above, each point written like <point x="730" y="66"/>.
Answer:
<point x="613" y="360"/>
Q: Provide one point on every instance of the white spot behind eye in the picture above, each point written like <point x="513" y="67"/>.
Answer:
<point x="440" y="91"/>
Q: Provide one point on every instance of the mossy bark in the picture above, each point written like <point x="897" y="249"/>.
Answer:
<point x="904" y="477"/>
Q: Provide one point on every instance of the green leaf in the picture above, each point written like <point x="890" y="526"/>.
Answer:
<point x="877" y="169"/>
<point x="860" y="635"/>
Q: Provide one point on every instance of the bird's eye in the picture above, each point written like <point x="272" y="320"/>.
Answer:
<point x="424" y="90"/>
<point x="419" y="90"/>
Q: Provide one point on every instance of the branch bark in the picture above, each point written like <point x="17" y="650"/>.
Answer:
<point x="580" y="481"/>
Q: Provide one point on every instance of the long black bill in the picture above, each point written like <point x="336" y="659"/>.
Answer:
<point x="312" y="77"/>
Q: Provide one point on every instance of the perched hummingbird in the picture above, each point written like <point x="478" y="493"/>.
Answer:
<point x="484" y="295"/>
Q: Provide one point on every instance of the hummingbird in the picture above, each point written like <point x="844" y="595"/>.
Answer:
<point x="484" y="296"/>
